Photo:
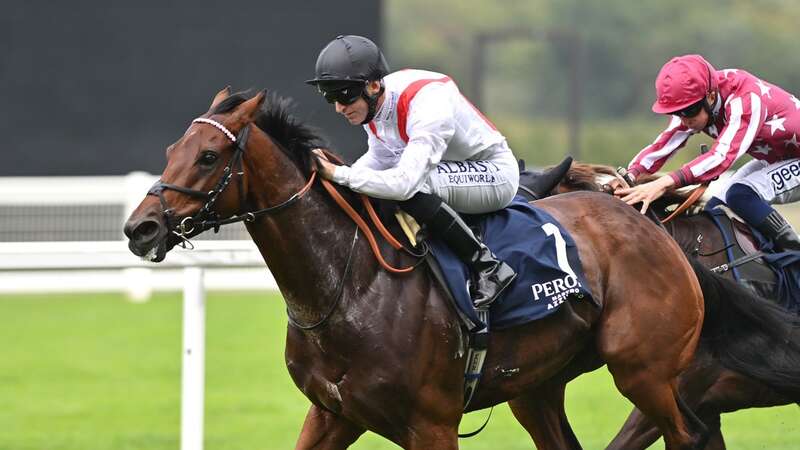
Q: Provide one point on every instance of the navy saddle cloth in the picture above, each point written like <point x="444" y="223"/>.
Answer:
<point x="539" y="249"/>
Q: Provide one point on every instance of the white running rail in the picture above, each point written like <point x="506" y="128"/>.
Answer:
<point x="69" y="259"/>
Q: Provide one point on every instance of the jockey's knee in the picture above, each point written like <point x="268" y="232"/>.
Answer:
<point x="747" y="203"/>
<point x="421" y="206"/>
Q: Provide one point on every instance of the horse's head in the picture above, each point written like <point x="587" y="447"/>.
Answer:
<point x="203" y="179"/>
<point x="589" y="177"/>
<point x="601" y="178"/>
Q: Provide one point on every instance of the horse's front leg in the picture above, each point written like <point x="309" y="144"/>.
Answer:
<point x="541" y="412"/>
<point x="428" y="436"/>
<point x="324" y="430"/>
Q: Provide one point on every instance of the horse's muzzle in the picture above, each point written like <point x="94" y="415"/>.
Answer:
<point x="147" y="238"/>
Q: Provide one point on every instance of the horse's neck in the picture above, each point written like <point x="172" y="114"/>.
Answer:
<point x="306" y="245"/>
<point x="307" y="249"/>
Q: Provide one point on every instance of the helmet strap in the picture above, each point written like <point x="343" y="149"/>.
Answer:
<point x="372" y="103"/>
<point x="712" y="116"/>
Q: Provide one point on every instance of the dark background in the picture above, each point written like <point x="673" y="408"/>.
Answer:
<point x="101" y="88"/>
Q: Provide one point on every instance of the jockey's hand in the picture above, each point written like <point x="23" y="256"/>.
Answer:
<point x="645" y="193"/>
<point x="616" y="184"/>
<point x="324" y="167"/>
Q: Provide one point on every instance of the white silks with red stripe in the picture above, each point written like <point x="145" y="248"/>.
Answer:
<point x="423" y="120"/>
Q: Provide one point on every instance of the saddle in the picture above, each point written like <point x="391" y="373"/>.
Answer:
<point x="741" y="241"/>
<point x="530" y="241"/>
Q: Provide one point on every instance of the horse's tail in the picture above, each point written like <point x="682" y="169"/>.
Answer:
<point x="749" y="334"/>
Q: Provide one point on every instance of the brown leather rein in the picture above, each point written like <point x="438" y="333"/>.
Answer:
<point x="362" y="225"/>
<point x="690" y="200"/>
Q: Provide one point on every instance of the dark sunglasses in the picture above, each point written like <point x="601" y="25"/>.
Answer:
<point x="345" y="96"/>
<point x="691" y="110"/>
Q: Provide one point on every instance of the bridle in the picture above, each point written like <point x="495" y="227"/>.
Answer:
<point x="207" y="218"/>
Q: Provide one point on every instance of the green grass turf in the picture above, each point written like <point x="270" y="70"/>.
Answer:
<point x="85" y="372"/>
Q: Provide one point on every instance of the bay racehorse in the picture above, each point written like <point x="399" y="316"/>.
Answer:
<point x="374" y="350"/>
<point x="715" y="382"/>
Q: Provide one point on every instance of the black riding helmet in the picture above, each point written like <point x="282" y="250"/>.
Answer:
<point x="347" y="62"/>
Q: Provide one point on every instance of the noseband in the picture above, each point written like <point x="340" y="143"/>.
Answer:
<point x="207" y="218"/>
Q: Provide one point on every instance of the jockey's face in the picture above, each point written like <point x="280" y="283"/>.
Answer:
<point x="700" y="120"/>
<point x="356" y="112"/>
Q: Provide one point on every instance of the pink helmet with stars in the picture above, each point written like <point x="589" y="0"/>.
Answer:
<point x="683" y="81"/>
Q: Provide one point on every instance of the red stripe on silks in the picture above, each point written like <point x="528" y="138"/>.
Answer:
<point x="485" y="119"/>
<point x="374" y="130"/>
<point x="405" y="99"/>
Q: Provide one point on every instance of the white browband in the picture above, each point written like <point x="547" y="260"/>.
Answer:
<point x="216" y="125"/>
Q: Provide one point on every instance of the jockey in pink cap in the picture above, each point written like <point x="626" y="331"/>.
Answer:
<point x="744" y="114"/>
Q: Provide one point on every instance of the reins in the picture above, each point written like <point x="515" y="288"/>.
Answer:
<point x="362" y="225"/>
<point x="690" y="200"/>
<point x="621" y="174"/>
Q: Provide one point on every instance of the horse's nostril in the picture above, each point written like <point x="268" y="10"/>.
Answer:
<point x="146" y="231"/>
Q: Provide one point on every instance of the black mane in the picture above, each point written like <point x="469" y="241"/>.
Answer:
<point x="294" y="137"/>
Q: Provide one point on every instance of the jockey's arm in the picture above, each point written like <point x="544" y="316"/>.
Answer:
<point x="745" y="118"/>
<point x="400" y="182"/>
<point x="651" y="158"/>
<point x="369" y="158"/>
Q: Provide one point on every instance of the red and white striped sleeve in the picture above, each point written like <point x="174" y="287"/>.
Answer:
<point x="652" y="157"/>
<point x="746" y="116"/>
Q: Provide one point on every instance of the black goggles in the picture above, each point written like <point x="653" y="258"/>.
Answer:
<point x="344" y="95"/>
<point x="691" y="110"/>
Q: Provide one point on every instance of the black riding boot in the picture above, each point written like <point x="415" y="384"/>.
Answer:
<point x="776" y="228"/>
<point x="491" y="275"/>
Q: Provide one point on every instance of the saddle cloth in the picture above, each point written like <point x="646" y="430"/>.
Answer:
<point x="775" y="276"/>
<point x="537" y="247"/>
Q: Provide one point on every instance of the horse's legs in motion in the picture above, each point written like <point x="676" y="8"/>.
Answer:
<point x="323" y="430"/>
<point x="645" y="370"/>
<point x="431" y="436"/>
<point x="541" y="412"/>
<point x="715" y="390"/>
<point x="656" y="395"/>
<point x="639" y="433"/>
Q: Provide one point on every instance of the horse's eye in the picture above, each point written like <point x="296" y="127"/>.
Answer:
<point x="208" y="159"/>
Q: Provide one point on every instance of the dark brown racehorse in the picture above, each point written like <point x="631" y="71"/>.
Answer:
<point x="715" y="382"/>
<point x="383" y="352"/>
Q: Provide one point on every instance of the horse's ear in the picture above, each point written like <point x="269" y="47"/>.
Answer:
<point x="221" y="95"/>
<point x="248" y="110"/>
